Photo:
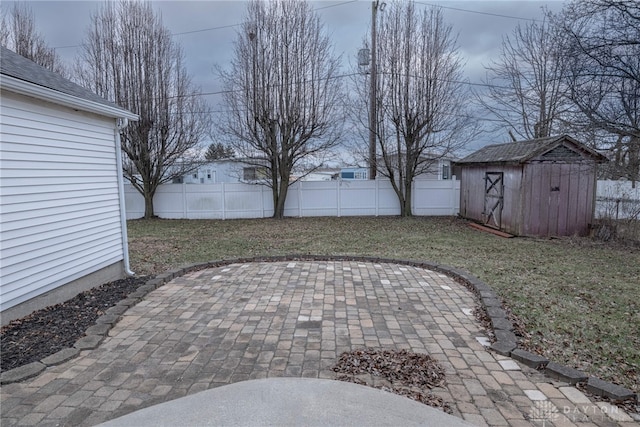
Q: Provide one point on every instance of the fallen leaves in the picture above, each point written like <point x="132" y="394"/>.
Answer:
<point x="400" y="372"/>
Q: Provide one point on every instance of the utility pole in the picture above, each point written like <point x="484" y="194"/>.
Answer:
<point x="373" y="117"/>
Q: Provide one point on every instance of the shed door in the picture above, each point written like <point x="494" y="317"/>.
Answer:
<point x="493" y="198"/>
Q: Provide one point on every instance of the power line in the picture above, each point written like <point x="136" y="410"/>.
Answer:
<point x="336" y="5"/>
<point x="207" y="29"/>
<point x="202" y="30"/>
<point x="340" y="76"/>
<point x="478" y="12"/>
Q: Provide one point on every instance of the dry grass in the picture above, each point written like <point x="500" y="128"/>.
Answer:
<point x="580" y="299"/>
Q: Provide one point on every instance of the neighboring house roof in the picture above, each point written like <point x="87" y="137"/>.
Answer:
<point x="523" y="151"/>
<point x="425" y="157"/>
<point x="17" y="70"/>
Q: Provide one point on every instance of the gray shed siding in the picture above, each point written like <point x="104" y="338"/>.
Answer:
<point x="558" y="198"/>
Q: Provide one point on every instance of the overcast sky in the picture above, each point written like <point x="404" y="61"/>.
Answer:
<point x="210" y="29"/>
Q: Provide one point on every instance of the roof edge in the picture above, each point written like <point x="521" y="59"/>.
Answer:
<point x="24" y="87"/>
<point x="545" y="146"/>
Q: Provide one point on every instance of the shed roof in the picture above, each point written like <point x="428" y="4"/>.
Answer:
<point x="523" y="151"/>
<point x="21" y="68"/>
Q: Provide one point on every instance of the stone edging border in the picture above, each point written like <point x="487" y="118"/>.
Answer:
<point x="506" y="341"/>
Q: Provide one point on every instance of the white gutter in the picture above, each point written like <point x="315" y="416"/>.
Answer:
<point x="121" y="124"/>
<point x="30" y="89"/>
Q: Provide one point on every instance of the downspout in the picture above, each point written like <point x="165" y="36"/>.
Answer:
<point x="121" y="124"/>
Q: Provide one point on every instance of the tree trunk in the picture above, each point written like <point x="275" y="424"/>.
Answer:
<point x="404" y="196"/>
<point x="281" y="197"/>
<point x="148" y="205"/>
<point x="407" y="209"/>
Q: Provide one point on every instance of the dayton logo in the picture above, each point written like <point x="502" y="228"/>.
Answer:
<point x="544" y="411"/>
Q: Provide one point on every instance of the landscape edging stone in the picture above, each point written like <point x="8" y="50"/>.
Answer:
<point x="607" y="389"/>
<point x="565" y="373"/>
<point x="532" y="360"/>
<point x="61" y="356"/>
<point x="22" y="373"/>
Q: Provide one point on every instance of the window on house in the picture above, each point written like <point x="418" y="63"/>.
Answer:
<point x="360" y="175"/>
<point x="177" y="180"/>
<point x="195" y="176"/>
<point x="253" y="173"/>
<point x="446" y="173"/>
<point x="347" y="175"/>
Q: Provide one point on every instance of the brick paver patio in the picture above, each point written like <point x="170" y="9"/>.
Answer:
<point x="257" y="320"/>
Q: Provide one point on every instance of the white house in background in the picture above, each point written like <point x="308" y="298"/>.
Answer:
<point x="236" y="170"/>
<point x="223" y="170"/>
<point x="62" y="213"/>
<point x="439" y="169"/>
<point x="322" y="174"/>
<point x="216" y="171"/>
<point x="354" y="173"/>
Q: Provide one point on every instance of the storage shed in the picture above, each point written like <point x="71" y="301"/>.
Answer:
<point x="539" y="187"/>
<point x="62" y="213"/>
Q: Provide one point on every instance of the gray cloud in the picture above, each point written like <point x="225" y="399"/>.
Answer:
<point x="63" y="23"/>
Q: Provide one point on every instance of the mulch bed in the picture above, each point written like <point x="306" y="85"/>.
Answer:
<point x="54" y="328"/>
<point x="400" y="372"/>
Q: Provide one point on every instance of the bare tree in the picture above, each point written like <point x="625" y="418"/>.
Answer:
<point x="282" y="92"/>
<point x="421" y="115"/>
<point x="603" y="40"/>
<point x="130" y="58"/>
<point x="526" y="87"/>
<point x="18" y="33"/>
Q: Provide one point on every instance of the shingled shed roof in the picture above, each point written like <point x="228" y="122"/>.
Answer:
<point x="21" y="68"/>
<point x="523" y="151"/>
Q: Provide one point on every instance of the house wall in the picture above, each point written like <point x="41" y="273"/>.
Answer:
<point x="437" y="171"/>
<point x="558" y="198"/>
<point x="219" y="171"/>
<point x="60" y="217"/>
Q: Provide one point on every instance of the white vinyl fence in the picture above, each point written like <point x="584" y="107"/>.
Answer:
<point x="615" y="199"/>
<point x="618" y="200"/>
<point x="305" y="198"/>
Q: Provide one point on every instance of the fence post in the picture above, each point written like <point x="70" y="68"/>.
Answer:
<point x="338" y="197"/>
<point x="224" y="205"/>
<point x="184" y="201"/>
<point x="299" y="184"/>
<point x="413" y="194"/>
<point x="452" y="198"/>
<point x="376" y="196"/>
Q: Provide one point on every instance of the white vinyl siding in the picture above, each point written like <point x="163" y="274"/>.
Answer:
<point x="60" y="210"/>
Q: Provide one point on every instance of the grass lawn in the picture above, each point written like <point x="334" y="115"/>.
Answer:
<point x="579" y="299"/>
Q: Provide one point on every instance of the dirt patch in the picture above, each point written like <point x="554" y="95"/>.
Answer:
<point x="54" y="328"/>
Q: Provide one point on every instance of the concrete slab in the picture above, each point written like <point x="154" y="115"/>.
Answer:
<point x="289" y="401"/>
